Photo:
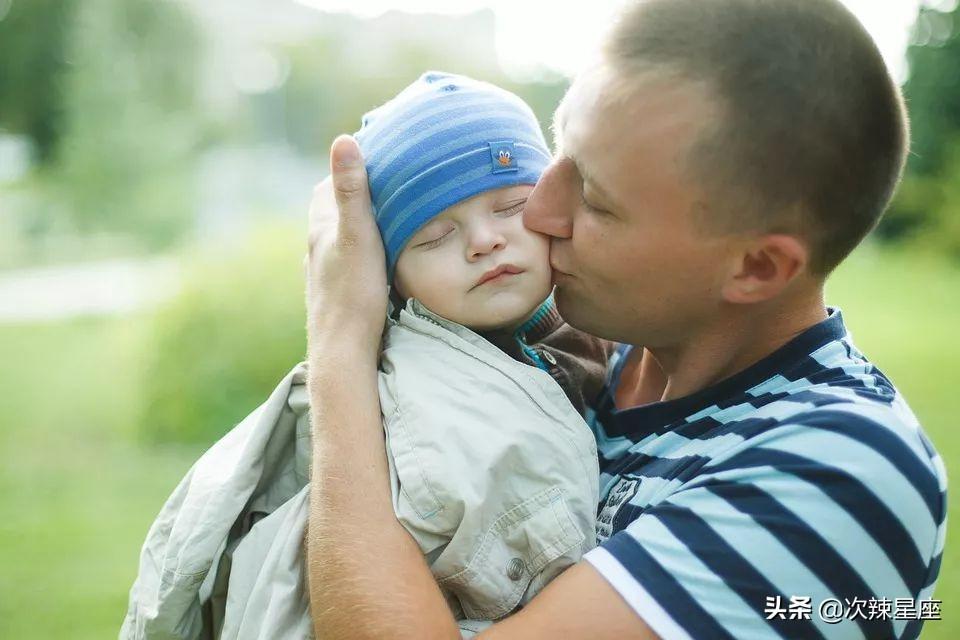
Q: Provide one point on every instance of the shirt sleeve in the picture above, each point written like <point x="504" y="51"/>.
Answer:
<point x="757" y="540"/>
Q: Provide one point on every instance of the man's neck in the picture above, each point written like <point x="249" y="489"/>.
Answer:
<point x="720" y="350"/>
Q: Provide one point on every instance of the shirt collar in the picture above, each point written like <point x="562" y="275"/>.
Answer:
<point x="656" y="416"/>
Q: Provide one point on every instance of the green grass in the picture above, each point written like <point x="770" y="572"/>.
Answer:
<point x="77" y="492"/>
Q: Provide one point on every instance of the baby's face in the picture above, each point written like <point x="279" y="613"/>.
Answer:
<point x="448" y="263"/>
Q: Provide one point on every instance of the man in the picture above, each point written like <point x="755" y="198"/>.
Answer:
<point x="716" y="164"/>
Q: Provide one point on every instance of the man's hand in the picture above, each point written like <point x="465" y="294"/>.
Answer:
<point x="345" y="264"/>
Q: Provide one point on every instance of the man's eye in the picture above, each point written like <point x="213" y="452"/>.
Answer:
<point x="590" y="207"/>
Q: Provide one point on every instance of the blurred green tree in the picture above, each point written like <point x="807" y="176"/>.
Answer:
<point x="925" y="208"/>
<point x="357" y="64"/>
<point x="216" y="350"/>
<point x="133" y="122"/>
<point x="33" y="35"/>
<point x="933" y="88"/>
<point x="133" y="118"/>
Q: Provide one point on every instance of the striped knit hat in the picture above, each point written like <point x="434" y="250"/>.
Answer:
<point x="443" y="139"/>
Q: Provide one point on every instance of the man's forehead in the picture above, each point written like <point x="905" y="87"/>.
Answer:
<point x="581" y="98"/>
<point x="616" y="129"/>
<point x="603" y="112"/>
<point x="581" y="130"/>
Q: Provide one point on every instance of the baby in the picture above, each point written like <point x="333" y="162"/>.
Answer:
<point x="481" y="381"/>
<point x="482" y="386"/>
<point x="450" y="163"/>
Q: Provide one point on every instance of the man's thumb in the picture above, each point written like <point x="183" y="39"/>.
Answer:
<point x="349" y="176"/>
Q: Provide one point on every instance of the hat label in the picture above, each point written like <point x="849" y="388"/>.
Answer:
<point x="502" y="156"/>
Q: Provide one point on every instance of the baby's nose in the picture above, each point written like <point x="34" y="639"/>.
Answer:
<point x="485" y="239"/>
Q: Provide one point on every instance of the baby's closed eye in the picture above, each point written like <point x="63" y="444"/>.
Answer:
<point x="511" y="209"/>
<point x="431" y="236"/>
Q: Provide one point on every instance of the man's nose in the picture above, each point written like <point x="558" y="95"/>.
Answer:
<point x="548" y="208"/>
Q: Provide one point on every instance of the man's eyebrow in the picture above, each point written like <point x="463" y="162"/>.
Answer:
<point x="556" y="126"/>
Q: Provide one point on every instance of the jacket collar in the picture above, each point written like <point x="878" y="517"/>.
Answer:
<point x="544" y="321"/>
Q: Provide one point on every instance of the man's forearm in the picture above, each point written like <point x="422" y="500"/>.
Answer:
<point x="367" y="577"/>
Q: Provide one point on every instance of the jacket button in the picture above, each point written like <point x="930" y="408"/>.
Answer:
<point x="515" y="569"/>
<point x="549" y="357"/>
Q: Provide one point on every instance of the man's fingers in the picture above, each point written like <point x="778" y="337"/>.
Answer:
<point x="345" y="266"/>
<point x="349" y="177"/>
<point x="340" y="213"/>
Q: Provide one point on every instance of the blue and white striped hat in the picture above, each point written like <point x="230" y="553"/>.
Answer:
<point x="443" y="139"/>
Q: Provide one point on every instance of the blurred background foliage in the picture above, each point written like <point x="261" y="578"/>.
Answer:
<point x="129" y="121"/>
<point x="156" y="160"/>
<point x="926" y="210"/>
<point x="236" y="325"/>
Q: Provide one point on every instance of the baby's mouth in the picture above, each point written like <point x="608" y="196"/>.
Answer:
<point x="501" y="272"/>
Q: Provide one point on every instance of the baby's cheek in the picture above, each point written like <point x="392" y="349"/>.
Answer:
<point x="538" y="244"/>
<point x="443" y="294"/>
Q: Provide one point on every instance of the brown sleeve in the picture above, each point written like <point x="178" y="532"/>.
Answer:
<point x="581" y="362"/>
<point x="576" y="360"/>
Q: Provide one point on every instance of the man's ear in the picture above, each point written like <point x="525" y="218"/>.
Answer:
<point x="764" y="268"/>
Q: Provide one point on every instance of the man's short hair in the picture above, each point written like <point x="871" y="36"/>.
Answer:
<point x="813" y="132"/>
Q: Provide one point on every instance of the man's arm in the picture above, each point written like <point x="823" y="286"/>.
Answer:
<point x="367" y="576"/>
<point x="579" y="605"/>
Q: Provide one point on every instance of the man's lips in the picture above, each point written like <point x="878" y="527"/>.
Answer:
<point x="497" y="272"/>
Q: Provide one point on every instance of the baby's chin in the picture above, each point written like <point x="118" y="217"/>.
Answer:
<point x="503" y="312"/>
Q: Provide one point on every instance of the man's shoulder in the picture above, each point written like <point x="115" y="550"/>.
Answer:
<point x="832" y="388"/>
<point x="836" y="422"/>
<point x="855" y="400"/>
<point x="839" y="410"/>
<point x="817" y="403"/>
<point x="810" y="456"/>
<point x="855" y="445"/>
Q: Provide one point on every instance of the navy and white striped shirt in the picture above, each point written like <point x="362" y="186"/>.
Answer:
<point x="805" y="475"/>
